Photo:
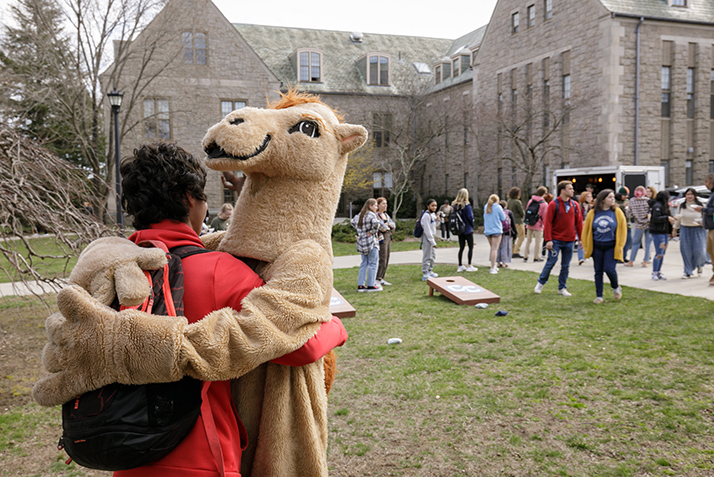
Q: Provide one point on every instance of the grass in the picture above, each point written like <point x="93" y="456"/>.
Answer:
<point x="557" y="387"/>
<point x="49" y="258"/>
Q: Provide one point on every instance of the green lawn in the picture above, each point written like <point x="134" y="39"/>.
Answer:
<point x="558" y="387"/>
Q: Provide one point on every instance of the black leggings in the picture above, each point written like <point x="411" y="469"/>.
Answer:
<point x="463" y="240"/>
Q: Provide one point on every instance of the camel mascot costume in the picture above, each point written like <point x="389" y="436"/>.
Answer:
<point x="294" y="156"/>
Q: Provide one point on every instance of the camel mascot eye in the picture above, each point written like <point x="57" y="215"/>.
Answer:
<point x="309" y="128"/>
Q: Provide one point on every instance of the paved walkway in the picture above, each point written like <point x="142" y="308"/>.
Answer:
<point x="636" y="276"/>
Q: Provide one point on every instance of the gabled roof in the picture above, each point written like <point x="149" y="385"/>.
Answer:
<point x="467" y="42"/>
<point x="340" y="55"/>
<point x="696" y="11"/>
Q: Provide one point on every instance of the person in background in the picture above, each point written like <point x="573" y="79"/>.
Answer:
<point x="509" y="232"/>
<point x="639" y="210"/>
<point x="463" y="208"/>
<point x="444" y="213"/>
<point x="385" y="241"/>
<point x="622" y="199"/>
<point x="429" y="220"/>
<point x="563" y="224"/>
<point x="692" y="236"/>
<point x="585" y="201"/>
<point x="223" y="219"/>
<point x="493" y="217"/>
<point x="604" y="236"/>
<point x="548" y="199"/>
<point x="368" y="227"/>
<point x="661" y="222"/>
<point x="516" y="207"/>
<point x="708" y="220"/>
<point x="536" y="231"/>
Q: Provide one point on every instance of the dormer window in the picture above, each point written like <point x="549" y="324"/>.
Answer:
<point x="457" y="67"/>
<point x="378" y="70"/>
<point x="465" y="62"/>
<point x="310" y="66"/>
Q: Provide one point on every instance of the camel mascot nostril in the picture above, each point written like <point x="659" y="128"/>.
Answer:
<point x="294" y="156"/>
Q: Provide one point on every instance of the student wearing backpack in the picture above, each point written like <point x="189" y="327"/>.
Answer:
<point x="429" y="221"/>
<point x="170" y="208"/>
<point x="516" y="207"/>
<point x="562" y="225"/>
<point x="535" y="213"/>
<point x="462" y="207"/>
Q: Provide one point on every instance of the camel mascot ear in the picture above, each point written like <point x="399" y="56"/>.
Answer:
<point x="351" y="137"/>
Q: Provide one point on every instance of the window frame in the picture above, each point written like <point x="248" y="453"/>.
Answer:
<point x="379" y="70"/>
<point x="233" y="105"/>
<point x="382" y="123"/>
<point x="691" y="78"/>
<point x="155" y="118"/>
<point x="666" y="91"/>
<point x="515" y="22"/>
<point x="194" y="48"/>
<point x="311" y="53"/>
<point x="547" y="9"/>
<point x="531" y="15"/>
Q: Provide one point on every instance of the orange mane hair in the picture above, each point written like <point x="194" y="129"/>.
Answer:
<point x="292" y="98"/>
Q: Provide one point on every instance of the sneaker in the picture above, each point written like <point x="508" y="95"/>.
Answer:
<point x="516" y="255"/>
<point x="661" y="277"/>
<point x="493" y="271"/>
<point x="597" y="300"/>
<point x="433" y="275"/>
<point x="699" y="271"/>
<point x="384" y="282"/>
<point x="471" y="268"/>
<point x="580" y="262"/>
<point x="685" y="276"/>
<point x="425" y="277"/>
<point x="564" y="292"/>
<point x="538" y="288"/>
<point x="462" y="268"/>
<point x="372" y="289"/>
<point x="617" y="293"/>
<point x="525" y="259"/>
<point x="537" y="259"/>
<point x="360" y="288"/>
<point x="655" y="277"/>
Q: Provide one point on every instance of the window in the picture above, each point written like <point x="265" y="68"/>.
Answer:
<point x="548" y="10"/>
<point x="665" y="164"/>
<point x="379" y="70"/>
<point x="437" y="75"/>
<point x="228" y="107"/>
<point x="446" y="69"/>
<point x="514" y="23"/>
<point x="531" y="16"/>
<point x="711" y="167"/>
<point x="711" y="94"/>
<point x="465" y="62"/>
<point x="690" y="93"/>
<point x="566" y="88"/>
<point x="382" y="180"/>
<point x="546" y="103"/>
<point x="456" y="67"/>
<point x="500" y="104"/>
<point x="194" y="48"/>
<point x="688" y="172"/>
<point x="381" y="127"/>
<point x="666" y="88"/>
<point x="157" y="123"/>
<point x="679" y="3"/>
<point x="310" y="66"/>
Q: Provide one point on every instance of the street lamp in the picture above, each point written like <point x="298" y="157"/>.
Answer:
<point x="115" y="98"/>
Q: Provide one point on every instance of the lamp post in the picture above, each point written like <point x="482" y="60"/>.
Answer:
<point x="115" y="98"/>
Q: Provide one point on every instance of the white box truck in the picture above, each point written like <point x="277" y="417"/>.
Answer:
<point x="611" y="177"/>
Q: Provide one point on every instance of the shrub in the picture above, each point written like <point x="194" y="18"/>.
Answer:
<point x="343" y="232"/>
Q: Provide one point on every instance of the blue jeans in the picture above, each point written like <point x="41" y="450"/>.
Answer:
<point x="566" y="251"/>
<point x="660" y="243"/>
<point x="604" y="261"/>
<point x="368" y="268"/>
<point x="637" y="241"/>
<point x="628" y="245"/>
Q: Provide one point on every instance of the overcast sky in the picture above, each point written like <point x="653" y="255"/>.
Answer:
<point x="446" y="19"/>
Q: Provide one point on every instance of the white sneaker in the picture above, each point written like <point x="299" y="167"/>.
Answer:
<point x="564" y="292"/>
<point x="538" y="288"/>
<point x="384" y="282"/>
<point x="617" y="293"/>
<point x="433" y="275"/>
<point x="493" y="271"/>
<point x="660" y="276"/>
<point x="462" y="268"/>
<point x="597" y="300"/>
<point x="655" y="277"/>
<point x="471" y="268"/>
<point x="425" y="277"/>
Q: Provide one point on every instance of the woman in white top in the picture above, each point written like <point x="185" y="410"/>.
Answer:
<point x="692" y="236"/>
<point x="429" y="220"/>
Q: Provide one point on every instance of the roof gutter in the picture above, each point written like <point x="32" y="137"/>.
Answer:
<point x="660" y="19"/>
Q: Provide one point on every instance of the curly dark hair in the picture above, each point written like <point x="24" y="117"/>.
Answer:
<point x="156" y="183"/>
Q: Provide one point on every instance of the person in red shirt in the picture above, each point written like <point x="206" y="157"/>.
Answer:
<point x="162" y="189"/>
<point x="563" y="225"/>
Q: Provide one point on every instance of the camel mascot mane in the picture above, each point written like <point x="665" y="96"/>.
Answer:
<point x="294" y="157"/>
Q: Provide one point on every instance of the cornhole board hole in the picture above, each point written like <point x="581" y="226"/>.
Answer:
<point x="461" y="291"/>
<point x="340" y="307"/>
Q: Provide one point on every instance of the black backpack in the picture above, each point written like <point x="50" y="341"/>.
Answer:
<point x="456" y="223"/>
<point x="120" y="427"/>
<point x="418" y="229"/>
<point x="531" y="218"/>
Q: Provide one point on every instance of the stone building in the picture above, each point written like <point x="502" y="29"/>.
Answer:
<point x="586" y="83"/>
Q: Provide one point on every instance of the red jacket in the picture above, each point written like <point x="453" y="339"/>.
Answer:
<point x="213" y="281"/>
<point x="563" y="226"/>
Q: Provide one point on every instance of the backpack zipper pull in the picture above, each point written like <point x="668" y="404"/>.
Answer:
<point x="76" y="402"/>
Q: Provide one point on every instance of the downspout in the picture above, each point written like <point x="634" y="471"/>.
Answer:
<point x="637" y="92"/>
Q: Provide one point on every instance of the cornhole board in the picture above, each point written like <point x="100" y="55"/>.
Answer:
<point x="461" y="291"/>
<point x="340" y="307"/>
